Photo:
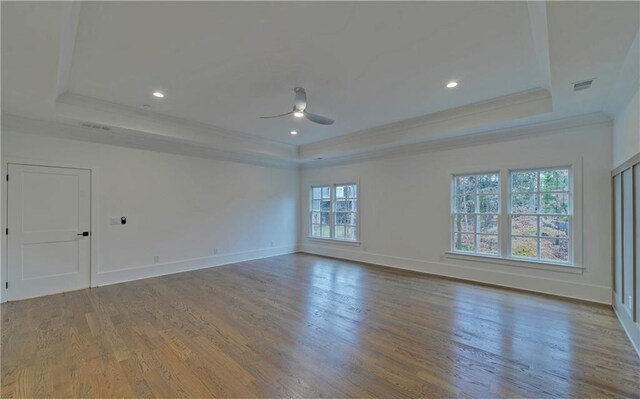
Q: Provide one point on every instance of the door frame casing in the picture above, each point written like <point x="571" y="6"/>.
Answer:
<point x="93" y="198"/>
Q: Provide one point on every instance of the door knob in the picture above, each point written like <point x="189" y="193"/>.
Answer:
<point x="84" y="234"/>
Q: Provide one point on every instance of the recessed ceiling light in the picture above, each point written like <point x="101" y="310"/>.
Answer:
<point x="452" y="84"/>
<point x="298" y="114"/>
<point x="293" y="132"/>
<point x="158" y="94"/>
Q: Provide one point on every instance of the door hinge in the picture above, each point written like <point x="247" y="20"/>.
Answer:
<point x="7" y="231"/>
<point x="6" y="284"/>
<point x="7" y="177"/>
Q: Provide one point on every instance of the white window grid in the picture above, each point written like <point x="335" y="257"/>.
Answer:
<point x="538" y="193"/>
<point x="477" y="214"/>
<point x="333" y="211"/>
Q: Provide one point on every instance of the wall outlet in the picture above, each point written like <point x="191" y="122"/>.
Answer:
<point x="215" y="251"/>
<point x="156" y="259"/>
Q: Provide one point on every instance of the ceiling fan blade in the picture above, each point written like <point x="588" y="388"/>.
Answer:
<point x="276" y="116"/>
<point x="300" y="100"/>
<point x="323" y="120"/>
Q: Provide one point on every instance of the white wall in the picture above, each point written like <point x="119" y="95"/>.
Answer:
<point x="404" y="204"/>
<point x="626" y="132"/>
<point x="179" y="208"/>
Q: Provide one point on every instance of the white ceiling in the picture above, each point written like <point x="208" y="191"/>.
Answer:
<point x="365" y="64"/>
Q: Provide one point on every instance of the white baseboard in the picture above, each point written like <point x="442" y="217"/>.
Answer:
<point x="587" y="292"/>
<point x="161" y="269"/>
<point x="632" y="329"/>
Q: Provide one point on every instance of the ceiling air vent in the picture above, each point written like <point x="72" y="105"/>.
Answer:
<point x="582" y="85"/>
<point x="94" y="126"/>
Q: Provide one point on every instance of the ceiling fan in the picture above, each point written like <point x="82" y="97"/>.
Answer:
<point x="300" y="109"/>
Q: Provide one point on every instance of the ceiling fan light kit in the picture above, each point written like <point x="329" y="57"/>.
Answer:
<point x="300" y="109"/>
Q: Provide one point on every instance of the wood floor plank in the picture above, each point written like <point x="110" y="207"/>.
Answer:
<point x="302" y="326"/>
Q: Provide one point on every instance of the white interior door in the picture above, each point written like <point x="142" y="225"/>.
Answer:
<point x="49" y="222"/>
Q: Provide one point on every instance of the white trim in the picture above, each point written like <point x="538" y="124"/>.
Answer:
<point x="533" y="264"/>
<point x="480" y="114"/>
<point x="545" y="285"/>
<point x="575" y="189"/>
<point x="332" y="212"/>
<point x="335" y="241"/>
<point x="630" y="328"/>
<point x="185" y="265"/>
<point x="480" y="136"/>
<point x="130" y="138"/>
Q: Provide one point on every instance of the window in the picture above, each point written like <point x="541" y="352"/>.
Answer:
<point x="321" y="212"/>
<point x="345" y="212"/>
<point x="537" y="223"/>
<point x="476" y="213"/>
<point x="540" y="214"/>
<point x="333" y="212"/>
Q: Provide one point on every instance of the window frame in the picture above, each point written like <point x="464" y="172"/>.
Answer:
<point x="332" y="213"/>
<point x="311" y="210"/>
<point x="476" y="213"/>
<point x="574" y="264"/>
<point x="538" y="237"/>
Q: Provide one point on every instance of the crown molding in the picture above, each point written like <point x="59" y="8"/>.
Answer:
<point x="88" y="109"/>
<point x="487" y="137"/>
<point x="137" y="139"/>
<point x="477" y="116"/>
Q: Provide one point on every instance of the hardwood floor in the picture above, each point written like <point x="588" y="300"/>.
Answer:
<point x="306" y="326"/>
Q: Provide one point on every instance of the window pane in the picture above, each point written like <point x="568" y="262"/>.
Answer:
<point x="324" y="217"/>
<point x="340" y="192"/>
<point x="554" y="249"/>
<point x="316" y="230"/>
<point x="524" y="181"/>
<point x="488" y="244"/>
<point x="524" y="247"/>
<point x="339" y="232"/>
<point x="316" y="193"/>
<point x="315" y="205"/>
<point x="345" y="205"/>
<point x="465" y="185"/>
<point x="488" y="224"/>
<point x="524" y="225"/>
<point x="315" y="217"/>
<point x="524" y="203"/>
<point x="489" y="203"/>
<point x="351" y="233"/>
<point x="325" y="205"/>
<point x="554" y="203"/>
<point x="326" y="231"/>
<point x="464" y="242"/>
<point x="488" y="184"/>
<point x="341" y="218"/>
<point x="326" y="192"/>
<point x="351" y="191"/>
<point x="554" y="180"/>
<point x="465" y="204"/>
<point x="464" y="223"/>
<point x="555" y="226"/>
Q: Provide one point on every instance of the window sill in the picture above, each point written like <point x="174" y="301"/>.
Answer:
<point x="334" y="241"/>
<point x="531" y="264"/>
